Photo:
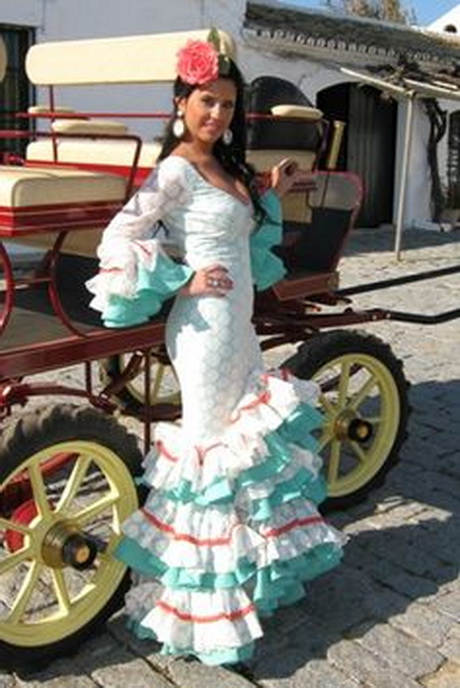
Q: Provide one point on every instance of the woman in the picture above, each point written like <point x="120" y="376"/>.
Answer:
<point x="230" y="529"/>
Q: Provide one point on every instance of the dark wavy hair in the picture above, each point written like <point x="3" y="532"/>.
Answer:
<point x="232" y="157"/>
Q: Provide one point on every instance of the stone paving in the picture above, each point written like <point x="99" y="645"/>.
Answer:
<point x="389" y="616"/>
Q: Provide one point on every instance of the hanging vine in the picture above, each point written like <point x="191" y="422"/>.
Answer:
<point x="438" y="127"/>
<point x="437" y="118"/>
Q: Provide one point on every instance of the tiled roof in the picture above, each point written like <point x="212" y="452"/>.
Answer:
<point x="346" y="39"/>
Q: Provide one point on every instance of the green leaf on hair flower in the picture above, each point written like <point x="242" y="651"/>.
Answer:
<point x="224" y="60"/>
<point x="214" y="38"/>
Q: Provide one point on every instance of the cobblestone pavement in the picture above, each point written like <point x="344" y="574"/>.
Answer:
<point x="389" y="616"/>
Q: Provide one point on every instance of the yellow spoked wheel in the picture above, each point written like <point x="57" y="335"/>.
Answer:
<point x="163" y="390"/>
<point x="66" y="487"/>
<point x="364" y="399"/>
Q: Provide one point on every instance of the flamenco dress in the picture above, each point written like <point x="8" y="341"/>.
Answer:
<point x="230" y="529"/>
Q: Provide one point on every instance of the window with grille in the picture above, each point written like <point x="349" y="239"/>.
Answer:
<point x="15" y="90"/>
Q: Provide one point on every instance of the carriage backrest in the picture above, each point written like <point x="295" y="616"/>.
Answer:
<point x="266" y="93"/>
<point x="120" y="60"/>
<point x="316" y="246"/>
<point x="139" y="59"/>
<point x="3" y="59"/>
<point x="152" y="58"/>
<point x="283" y="123"/>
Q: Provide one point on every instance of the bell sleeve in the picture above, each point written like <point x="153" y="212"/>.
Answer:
<point x="266" y="267"/>
<point x="137" y="269"/>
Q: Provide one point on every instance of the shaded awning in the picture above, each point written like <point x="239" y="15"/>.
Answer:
<point x="403" y="86"/>
<point x="347" y="39"/>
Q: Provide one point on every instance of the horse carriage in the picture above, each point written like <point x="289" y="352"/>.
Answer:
<point x="68" y="470"/>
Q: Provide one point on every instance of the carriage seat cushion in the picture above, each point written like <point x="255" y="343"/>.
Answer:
<point x="264" y="160"/>
<point x="87" y="151"/>
<point x="3" y="59"/>
<point x="39" y="109"/>
<point x="309" y="114"/>
<point x="24" y="187"/>
<point x="92" y="127"/>
<point x="121" y="153"/>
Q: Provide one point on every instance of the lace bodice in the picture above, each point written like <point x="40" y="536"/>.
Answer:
<point x="178" y="214"/>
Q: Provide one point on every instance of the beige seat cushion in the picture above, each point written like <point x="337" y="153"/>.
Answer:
<point x="89" y="126"/>
<point x="88" y="151"/>
<point x="117" y="60"/>
<point x="32" y="186"/>
<point x="40" y="199"/>
<point x="296" y="207"/>
<point x="309" y="114"/>
<point x="78" y="242"/>
<point x="39" y="109"/>
<point x="3" y="59"/>
<point x="264" y="160"/>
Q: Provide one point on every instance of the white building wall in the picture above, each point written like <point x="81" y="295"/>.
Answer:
<point x="418" y="191"/>
<point x="64" y="20"/>
<point x="449" y="19"/>
<point x="22" y="12"/>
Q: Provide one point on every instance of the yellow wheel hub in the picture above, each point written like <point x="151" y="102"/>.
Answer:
<point x="348" y="425"/>
<point x="362" y="407"/>
<point x="60" y="573"/>
<point x="66" y="545"/>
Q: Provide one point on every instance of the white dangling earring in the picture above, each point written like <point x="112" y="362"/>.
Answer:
<point x="178" y="127"/>
<point x="227" y="137"/>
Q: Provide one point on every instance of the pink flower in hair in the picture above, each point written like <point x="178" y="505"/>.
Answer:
<point x="198" y="62"/>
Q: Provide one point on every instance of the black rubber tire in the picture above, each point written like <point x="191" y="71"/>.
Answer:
<point x="321" y="350"/>
<point x="38" y="431"/>
<point x="127" y="399"/>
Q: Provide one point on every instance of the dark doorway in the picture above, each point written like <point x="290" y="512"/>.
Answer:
<point x="15" y="89"/>
<point x="369" y="144"/>
<point x="453" y="161"/>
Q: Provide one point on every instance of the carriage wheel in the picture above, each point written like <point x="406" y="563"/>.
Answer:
<point x="364" y="398"/>
<point x="66" y="476"/>
<point x="164" y="387"/>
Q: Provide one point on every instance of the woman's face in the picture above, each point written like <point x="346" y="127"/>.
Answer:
<point x="208" y="110"/>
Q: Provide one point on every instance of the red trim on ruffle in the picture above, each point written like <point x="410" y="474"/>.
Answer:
<point x="185" y="537"/>
<point x="143" y="248"/>
<point x="218" y="542"/>
<point x="263" y="398"/>
<point x="278" y="374"/>
<point x="201" y="452"/>
<point x="110" y="270"/>
<point x="297" y="523"/>
<point x="183" y="616"/>
<point x="164" y="452"/>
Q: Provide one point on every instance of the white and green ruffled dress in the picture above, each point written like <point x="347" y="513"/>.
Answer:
<point x="230" y="529"/>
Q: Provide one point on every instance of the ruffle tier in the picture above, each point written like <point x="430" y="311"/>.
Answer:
<point x="230" y="530"/>
<point x="266" y="267"/>
<point x="134" y="280"/>
<point x="137" y="275"/>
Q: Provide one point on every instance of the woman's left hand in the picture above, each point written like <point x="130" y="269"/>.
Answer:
<point x="284" y="175"/>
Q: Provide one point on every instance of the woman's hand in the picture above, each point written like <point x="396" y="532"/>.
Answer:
<point x="284" y="175"/>
<point x="212" y="280"/>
